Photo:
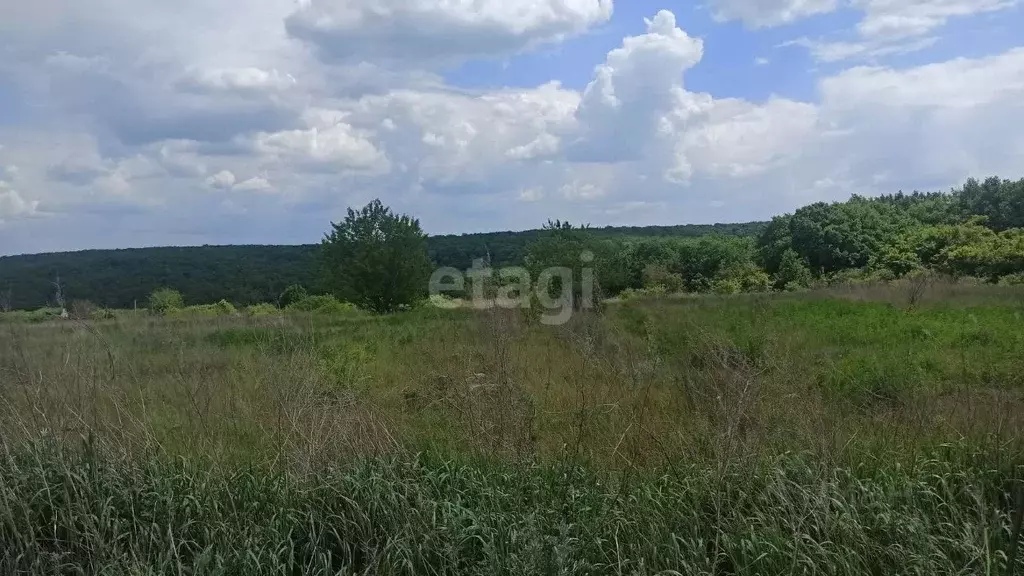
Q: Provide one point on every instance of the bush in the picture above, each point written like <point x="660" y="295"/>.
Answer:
<point x="165" y="301"/>
<point x="1016" y="279"/>
<point x="756" y="281"/>
<point x="322" y="304"/>
<point x="640" y="294"/>
<point x="793" y="270"/>
<point x="442" y="301"/>
<point x="726" y="286"/>
<point x="221" y="308"/>
<point x="293" y="294"/>
<point x="263" y="309"/>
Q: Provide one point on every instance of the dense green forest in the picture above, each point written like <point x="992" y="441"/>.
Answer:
<point x="252" y="274"/>
<point x="976" y="230"/>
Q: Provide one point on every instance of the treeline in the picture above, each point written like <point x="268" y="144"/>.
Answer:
<point x="251" y="274"/>
<point x="976" y="230"/>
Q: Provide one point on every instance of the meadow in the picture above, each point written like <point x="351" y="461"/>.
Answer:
<point x="869" y="430"/>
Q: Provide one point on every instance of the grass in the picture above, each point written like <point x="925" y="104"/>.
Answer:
<point x="824" y="432"/>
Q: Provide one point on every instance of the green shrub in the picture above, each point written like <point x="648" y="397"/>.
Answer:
<point x="1016" y="279"/>
<point x="756" y="281"/>
<point x="442" y="301"/>
<point x="221" y="308"/>
<point x="321" y="304"/>
<point x="165" y="301"/>
<point x="293" y="294"/>
<point x="725" y="286"/>
<point x="262" y="309"/>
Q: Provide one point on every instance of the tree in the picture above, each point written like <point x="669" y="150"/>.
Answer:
<point x="165" y="301"/>
<point x="292" y="294"/>
<point x="793" y="271"/>
<point x="833" y="237"/>
<point x="376" y="259"/>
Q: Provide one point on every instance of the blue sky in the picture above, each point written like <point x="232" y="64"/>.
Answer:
<point x="136" y="123"/>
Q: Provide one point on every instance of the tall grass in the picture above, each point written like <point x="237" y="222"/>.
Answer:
<point x="791" y="434"/>
<point x="74" y="512"/>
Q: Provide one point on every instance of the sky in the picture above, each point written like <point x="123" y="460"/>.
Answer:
<point x="127" y="123"/>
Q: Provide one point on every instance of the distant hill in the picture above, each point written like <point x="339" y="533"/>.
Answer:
<point x="248" y="274"/>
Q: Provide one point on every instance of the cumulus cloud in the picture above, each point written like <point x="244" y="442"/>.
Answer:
<point x="12" y="205"/>
<point x="634" y="91"/>
<point x="427" y="32"/>
<point x="222" y="180"/>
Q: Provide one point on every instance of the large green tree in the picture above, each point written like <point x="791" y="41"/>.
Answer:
<point x="376" y="259"/>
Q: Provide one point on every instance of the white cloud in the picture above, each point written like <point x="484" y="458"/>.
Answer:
<point x="905" y="18"/>
<point x="634" y="91"/>
<point x="764" y="13"/>
<point x="12" y="205"/>
<point x="339" y="145"/>
<point x="254" y="184"/>
<point x="425" y="32"/>
<point x="825" y="51"/>
<point x="222" y="180"/>
<point x="245" y="78"/>
<point x="891" y="27"/>
<point x="961" y="83"/>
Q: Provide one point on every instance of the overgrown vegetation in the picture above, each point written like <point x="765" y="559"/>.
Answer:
<point x="867" y="429"/>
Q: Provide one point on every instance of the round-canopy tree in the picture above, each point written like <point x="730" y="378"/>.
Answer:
<point x="376" y="259"/>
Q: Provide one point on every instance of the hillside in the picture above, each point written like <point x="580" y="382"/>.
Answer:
<point x="247" y="274"/>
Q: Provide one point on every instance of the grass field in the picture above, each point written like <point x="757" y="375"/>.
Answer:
<point x="819" y="433"/>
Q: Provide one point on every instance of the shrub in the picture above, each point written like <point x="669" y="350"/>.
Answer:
<point x="442" y="301"/>
<point x="165" y="301"/>
<point x="726" y="286"/>
<point x="323" y="304"/>
<point x="221" y="308"/>
<point x="793" y="270"/>
<point x="292" y="294"/>
<point x="262" y="309"/>
<point x="756" y="281"/>
<point x="1016" y="279"/>
<point x="656" y="275"/>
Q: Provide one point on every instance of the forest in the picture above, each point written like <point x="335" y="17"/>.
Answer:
<point x="975" y="230"/>
<point x="253" y="274"/>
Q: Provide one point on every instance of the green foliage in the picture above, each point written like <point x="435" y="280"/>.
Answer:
<point x="1015" y="279"/>
<point x="263" y="309"/>
<point x="221" y="308"/>
<point x="376" y="259"/>
<point x="292" y="294"/>
<point x="165" y="301"/>
<point x="429" y="514"/>
<point x="832" y="237"/>
<point x="793" y="272"/>
<point x="1000" y="201"/>
<point x="658" y="276"/>
<point x="324" y="304"/>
